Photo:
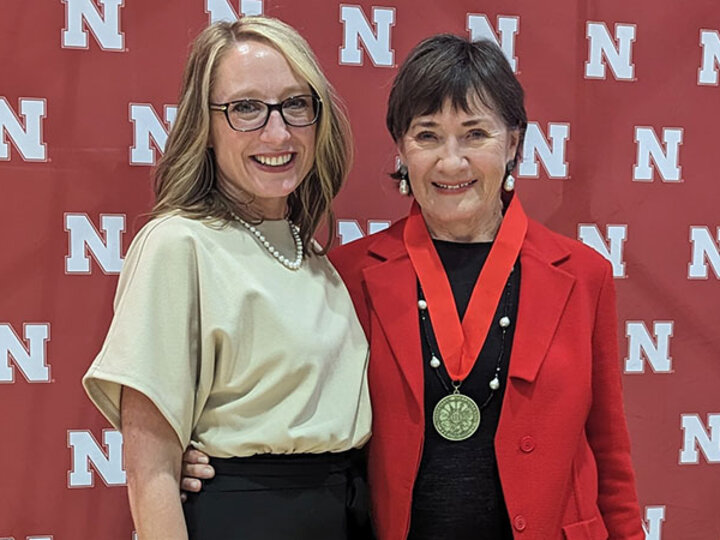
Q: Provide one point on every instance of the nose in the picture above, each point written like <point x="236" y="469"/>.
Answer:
<point x="452" y="160"/>
<point x="275" y="131"/>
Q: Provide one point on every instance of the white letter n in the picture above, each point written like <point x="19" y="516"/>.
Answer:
<point x="356" y="28"/>
<point x="602" y="45"/>
<point x="85" y="450"/>
<point x="589" y="234"/>
<point x="82" y="234"/>
<point x="641" y="343"/>
<point x="146" y="127"/>
<point x="507" y="27"/>
<point x="704" y="251"/>
<point x="30" y="360"/>
<point x="654" y="517"/>
<point x="550" y="153"/>
<point x="649" y="148"/>
<point x="28" y="139"/>
<point x="695" y="435"/>
<point x="710" y="43"/>
<point x="106" y="30"/>
<point x="222" y="10"/>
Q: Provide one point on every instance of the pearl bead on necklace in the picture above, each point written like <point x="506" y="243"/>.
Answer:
<point x="435" y="362"/>
<point x="264" y="242"/>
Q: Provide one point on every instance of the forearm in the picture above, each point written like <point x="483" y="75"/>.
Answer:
<point x="152" y="459"/>
<point x="156" y="508"/>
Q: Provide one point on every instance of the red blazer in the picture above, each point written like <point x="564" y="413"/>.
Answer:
<point x="562" y="445"/>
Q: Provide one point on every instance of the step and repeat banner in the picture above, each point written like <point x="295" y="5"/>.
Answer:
<point x="621" y="153"/>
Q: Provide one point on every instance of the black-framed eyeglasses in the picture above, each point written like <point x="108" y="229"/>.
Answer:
<point x="253" y="114"/>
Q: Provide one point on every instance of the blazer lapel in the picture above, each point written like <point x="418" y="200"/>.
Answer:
<point x="392" y="288"/>
<point x="544" y="292"/>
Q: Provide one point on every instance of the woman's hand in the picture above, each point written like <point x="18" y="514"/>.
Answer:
<point x="195" y="468"/>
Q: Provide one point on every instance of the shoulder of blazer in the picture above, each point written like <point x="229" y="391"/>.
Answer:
<point x="352" y="258"/>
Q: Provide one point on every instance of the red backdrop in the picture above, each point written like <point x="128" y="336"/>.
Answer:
<point x="623" y="100"/>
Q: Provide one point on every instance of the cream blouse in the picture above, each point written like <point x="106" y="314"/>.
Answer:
<point x="240" y="355"/>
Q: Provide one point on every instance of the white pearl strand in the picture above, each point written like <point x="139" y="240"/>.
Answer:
<point x="435" y="361"/>
<point x="264" y="242"/>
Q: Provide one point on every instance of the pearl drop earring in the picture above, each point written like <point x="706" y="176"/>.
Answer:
<point x="509" y="183"/>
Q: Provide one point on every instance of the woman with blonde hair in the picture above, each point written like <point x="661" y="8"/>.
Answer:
<point x="232" y="332"/>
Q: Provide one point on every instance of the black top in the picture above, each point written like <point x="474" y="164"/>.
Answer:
<point x="457" y="493"/>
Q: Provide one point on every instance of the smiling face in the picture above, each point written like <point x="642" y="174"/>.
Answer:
<point x="456" y="164"/>
<point x="271" y="162"/>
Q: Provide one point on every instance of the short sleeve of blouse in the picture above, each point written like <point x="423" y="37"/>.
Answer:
<point x="152" y="345"/>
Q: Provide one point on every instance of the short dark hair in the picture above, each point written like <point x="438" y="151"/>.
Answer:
<point x="448" y="67"/>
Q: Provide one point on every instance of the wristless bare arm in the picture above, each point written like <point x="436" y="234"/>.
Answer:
<point x="152" y="459"/>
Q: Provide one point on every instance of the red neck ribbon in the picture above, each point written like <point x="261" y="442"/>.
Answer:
<point x="460" y="343"/>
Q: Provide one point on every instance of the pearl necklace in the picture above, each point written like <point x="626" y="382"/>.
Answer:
<point x="503" y="323"/>
<point x="264" y="242"/>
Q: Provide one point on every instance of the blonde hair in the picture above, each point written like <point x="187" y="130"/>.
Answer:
<point x="185" y="178"/>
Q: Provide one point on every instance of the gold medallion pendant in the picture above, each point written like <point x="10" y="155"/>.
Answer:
<point x="456" y="417"/>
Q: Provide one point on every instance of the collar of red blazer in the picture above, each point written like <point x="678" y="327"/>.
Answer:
<point x="538" y="245"/>
<point x="544" y="290"/>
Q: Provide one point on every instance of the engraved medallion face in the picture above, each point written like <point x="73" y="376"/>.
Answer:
<point x="456" y="417"/>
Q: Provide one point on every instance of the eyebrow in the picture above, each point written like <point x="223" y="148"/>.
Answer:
<point x="432" y="124"/>
<point x="254" y="94"/>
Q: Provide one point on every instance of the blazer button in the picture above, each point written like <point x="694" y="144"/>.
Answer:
<point x="527" y="444"/>
<point x="519" y="522"/>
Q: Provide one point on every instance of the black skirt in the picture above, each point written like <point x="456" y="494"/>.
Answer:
<point x="282" y="497"/>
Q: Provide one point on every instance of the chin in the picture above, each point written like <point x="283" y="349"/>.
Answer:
<point x="276" y="188"/>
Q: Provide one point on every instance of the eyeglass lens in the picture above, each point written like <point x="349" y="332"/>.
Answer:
<point x="248" y="114"/>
